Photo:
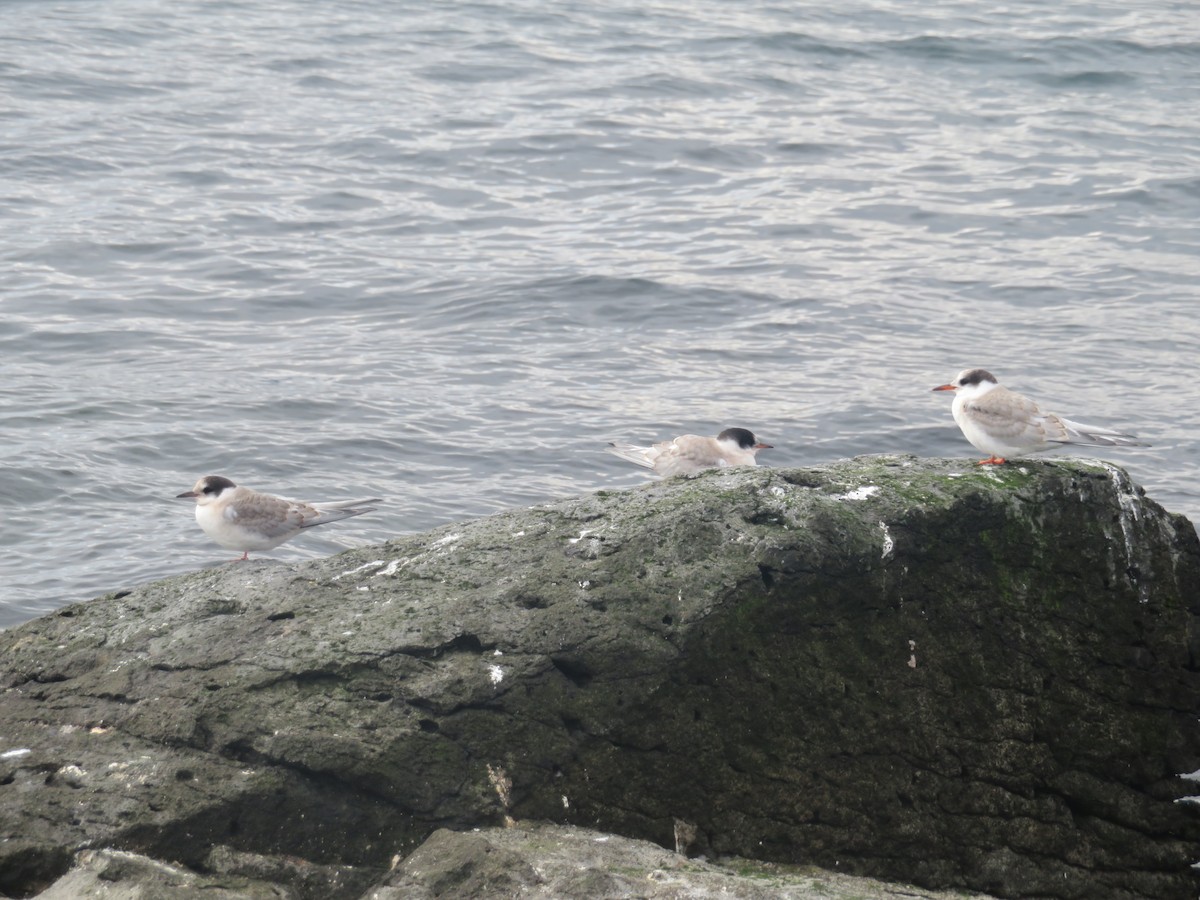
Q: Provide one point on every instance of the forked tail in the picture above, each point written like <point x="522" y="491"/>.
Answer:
<point x="1078" y="433"/>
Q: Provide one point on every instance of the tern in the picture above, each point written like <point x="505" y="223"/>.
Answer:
<point x="239" y="518"/>
<point x="1003" y="423"/>
<point x="690" y="453"/>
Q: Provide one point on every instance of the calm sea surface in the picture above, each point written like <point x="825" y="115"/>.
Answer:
<point x="443" y="255"/>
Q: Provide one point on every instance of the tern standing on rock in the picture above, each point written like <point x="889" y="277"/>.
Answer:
<point x="239" y="518"/>
<point x="1004" y="423"/>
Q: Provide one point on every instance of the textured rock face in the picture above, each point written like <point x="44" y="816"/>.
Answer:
<point x="569" y="862"/>
<point x="911" y="669"/>
<point x="546" y="861"/>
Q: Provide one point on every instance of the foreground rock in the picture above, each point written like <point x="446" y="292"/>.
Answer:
<point x="523" y="861"/>
<point x="562" y="861"/>
<point x="911" y="669"/>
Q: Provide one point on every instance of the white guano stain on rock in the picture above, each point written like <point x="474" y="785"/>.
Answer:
<point x="72" y="775"/>
<point x="1190" y="776"/>
<point x="888" y="543"/>
<point x="859" y="493"/>
<point x="375" y="563"/>
<point x="396" y="565"/>
<point x="132" y="772"/>
<point x="1130" y="512"/>
<point x="496" y="674"/>
<point x="393" y="567"/>
<point x="13" y="754"/>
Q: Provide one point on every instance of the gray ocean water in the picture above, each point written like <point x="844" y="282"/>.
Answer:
<point x="442" y="255"/>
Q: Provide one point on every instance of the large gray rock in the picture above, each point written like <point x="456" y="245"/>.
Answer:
<point x="562" y="861"/>
<point x="120" y="875"/>
<point x="524" y="861"/>
<point x="907" y="668"/>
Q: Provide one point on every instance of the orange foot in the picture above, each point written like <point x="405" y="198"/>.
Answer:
<point x="992" y="461"/>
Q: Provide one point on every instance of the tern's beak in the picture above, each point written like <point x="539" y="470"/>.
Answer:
<point x="764" y="447"/>
<point x="946" y="387"/>
<point x="187" y="495"/>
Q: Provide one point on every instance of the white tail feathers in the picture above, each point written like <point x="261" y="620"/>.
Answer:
<point x="632" y="453"/>
<point x="1078" y="433"/>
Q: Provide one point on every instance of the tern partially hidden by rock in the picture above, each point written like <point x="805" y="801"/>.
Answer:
<point x="692" y="453"/>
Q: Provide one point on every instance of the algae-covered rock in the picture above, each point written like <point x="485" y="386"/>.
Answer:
<point x="906" y="668"/>
<point x="566" y="861"/>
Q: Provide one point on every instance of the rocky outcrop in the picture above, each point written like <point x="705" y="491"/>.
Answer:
<point x="912" y="669"/>
<point x="521" y="861"/>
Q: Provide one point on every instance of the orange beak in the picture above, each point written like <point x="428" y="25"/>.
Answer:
<point x="946" y="387"/>
<point x="764" y="447"/>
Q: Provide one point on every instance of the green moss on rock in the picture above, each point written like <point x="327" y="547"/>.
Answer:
<point x="916" y="669"/>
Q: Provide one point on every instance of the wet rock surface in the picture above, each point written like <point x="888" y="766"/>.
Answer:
<point x="912" y="669"/>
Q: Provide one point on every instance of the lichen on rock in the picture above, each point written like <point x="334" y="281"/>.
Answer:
<point x="912" y="669"/>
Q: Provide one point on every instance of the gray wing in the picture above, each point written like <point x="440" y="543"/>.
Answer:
<point x="271" y="516"/>
<point x="1014" y="419"/>
<point x="687" y="454"/>
<point x="276" y="517"/>
<point x="341" y="504"/>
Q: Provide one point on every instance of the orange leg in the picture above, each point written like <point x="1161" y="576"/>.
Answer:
<point x="992" y="461"/>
